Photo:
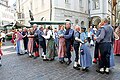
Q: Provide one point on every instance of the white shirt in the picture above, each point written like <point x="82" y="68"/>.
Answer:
<point x="49" y="33"/>
<point x="3" y="35"/>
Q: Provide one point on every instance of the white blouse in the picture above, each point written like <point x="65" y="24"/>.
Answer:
<point x="49" y="33"/>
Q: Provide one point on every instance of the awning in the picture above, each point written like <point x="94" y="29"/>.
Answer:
<point x="48" y="22"/>
<point x="19" y="25"/>
<point x="10" y="24"/>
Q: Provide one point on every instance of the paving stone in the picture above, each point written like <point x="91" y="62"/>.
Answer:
<point x="24" y="68"/>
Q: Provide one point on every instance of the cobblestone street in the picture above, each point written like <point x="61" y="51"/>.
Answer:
<point x="24" y="68"/>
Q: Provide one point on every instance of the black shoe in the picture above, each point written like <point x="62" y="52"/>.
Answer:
<point x="19" y="54"/>
<point x="68" y="62"/>
<point x="45" y="59"/>
<point x="42" y="56"/>
<point x="101" y="72"/>
<point x="51" y="59"/>
<point x="26" y="52"/>
<point x="86" y="69"/>
<point x="77" y="68"/>
<point x="61" y="62"/>
<point x="78" y="65"/>
<point x="35" y="57"/>
<point x="31" y="56"/>
<point x="0" y="65"/>
<point x="107" y="72"/>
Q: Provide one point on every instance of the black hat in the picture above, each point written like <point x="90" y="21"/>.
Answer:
<point x="83" y="28"/>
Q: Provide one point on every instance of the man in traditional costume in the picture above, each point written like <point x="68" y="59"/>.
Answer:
<point x="105" y="40"/>
<point x="69" y="34"/>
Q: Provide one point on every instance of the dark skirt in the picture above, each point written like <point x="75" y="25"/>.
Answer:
<point x="35" y="46"/>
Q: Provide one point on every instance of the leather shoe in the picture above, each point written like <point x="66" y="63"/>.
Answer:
<point x="78" y="65"/>
<point x="68" y="62"/>
<point x="101" y="72"/>
<point x="77" y="68"/>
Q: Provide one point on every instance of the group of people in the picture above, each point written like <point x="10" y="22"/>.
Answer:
<point x="49" y="44"/>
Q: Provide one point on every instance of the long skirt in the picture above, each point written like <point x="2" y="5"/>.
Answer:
<point x="35" y="48"/>
<point x="30" y="45"/>
<point x="85" y="56"/>
<point x="1" y="52"/>
<point x="22" y="51"/>
<point x="112" y="63"/>
<point x="51" y="51"/>
<point x="117" y="47"/>
<point x="62" y="48"/>
<point x="18" y="46"/>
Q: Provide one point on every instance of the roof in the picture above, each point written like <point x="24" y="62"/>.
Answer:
<point x="48" y="22"/>
<point x="15" y="24"/>
<point x="10" y="24"/>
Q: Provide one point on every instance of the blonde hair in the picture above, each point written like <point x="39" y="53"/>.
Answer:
<point x="77" y="28"/>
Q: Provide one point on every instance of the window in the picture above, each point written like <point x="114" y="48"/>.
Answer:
<point x="31" y="7"/>
<point x="67" y="1"/>
<point x="68" y="4"/>
<point x="80" y="3"/>
<point x="19" y="16"/>
<point x="42" y="3"/>
<point x="96" y="4"/>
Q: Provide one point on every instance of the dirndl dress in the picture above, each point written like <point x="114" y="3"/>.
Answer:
<point x="117" y="47"/>
<point x="85" y="56"/>
<point x="51" y="50"/>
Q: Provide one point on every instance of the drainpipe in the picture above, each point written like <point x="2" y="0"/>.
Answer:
<point x="50" y="10"/>
<point x="89" y="16"/>
<point x="19" y="4"/>
<point x="111" y="12"/>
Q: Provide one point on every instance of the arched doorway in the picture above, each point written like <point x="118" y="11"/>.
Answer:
<point x="96" y="20"/>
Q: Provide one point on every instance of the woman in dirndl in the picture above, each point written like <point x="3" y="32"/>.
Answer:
<point x="85" y="54"/>
<point x="62" y="48"/>
<point x="0" y="50"/>
<point x="30" y="42"/>
<point x="19" y="37"/>
<point x="22" y="51"/>
<point x="14" y="37"/>
<point x="51" y="53"/>
<point x="117" y="41"/>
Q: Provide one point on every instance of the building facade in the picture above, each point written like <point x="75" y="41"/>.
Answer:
<point x="100" y="9"/>
<point x="54" y="10"/>
<point x="6" y="13"/>
<point x="118" y="13"/>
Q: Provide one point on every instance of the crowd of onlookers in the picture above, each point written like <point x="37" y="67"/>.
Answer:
<point x="49" y="43"/>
